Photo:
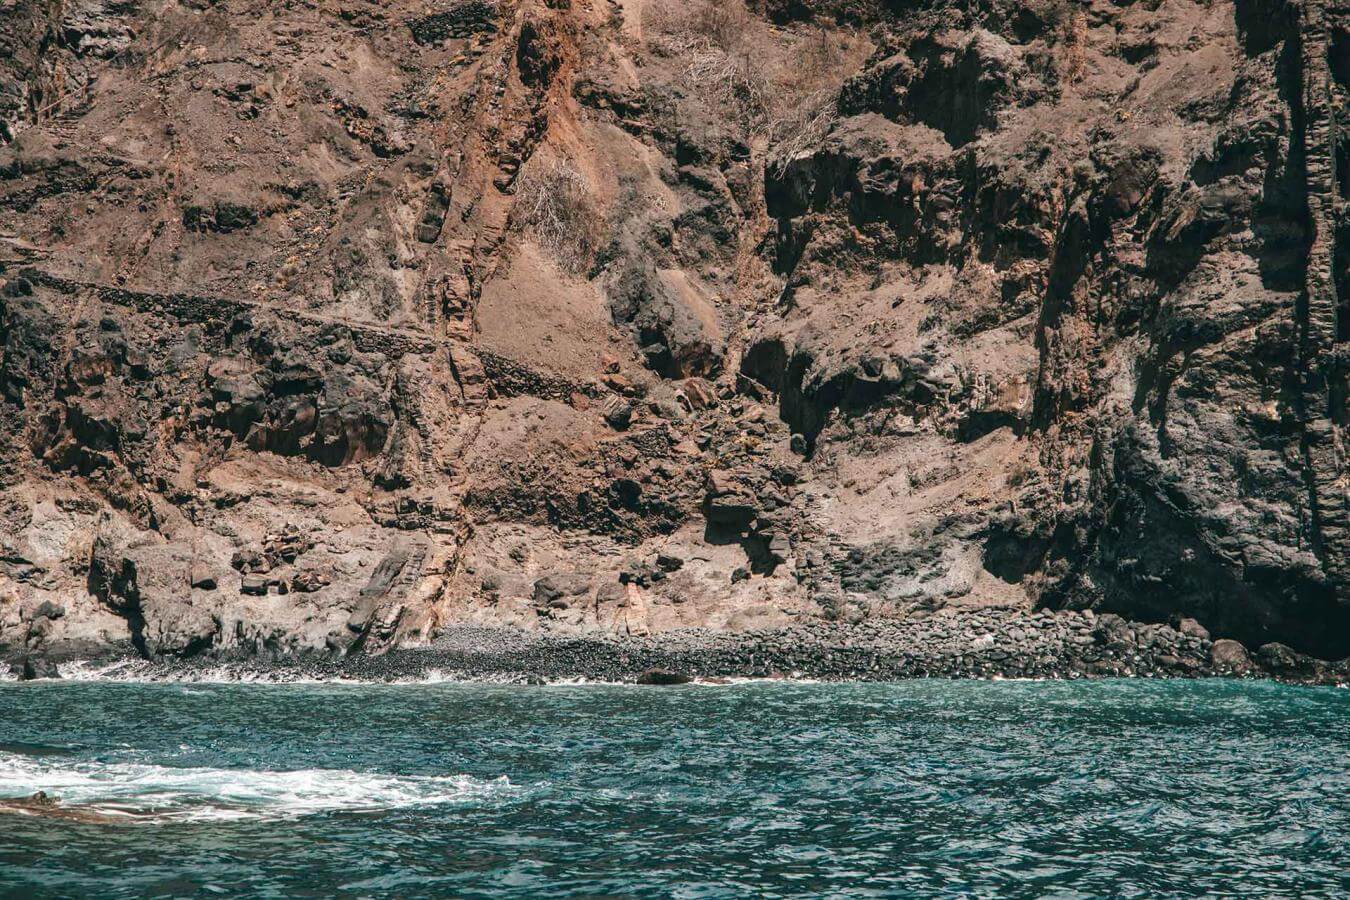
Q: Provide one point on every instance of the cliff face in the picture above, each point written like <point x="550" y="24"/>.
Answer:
<point x="328" y="325"/>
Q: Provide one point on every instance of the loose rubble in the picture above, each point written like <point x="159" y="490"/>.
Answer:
<point x="992" y="643"/>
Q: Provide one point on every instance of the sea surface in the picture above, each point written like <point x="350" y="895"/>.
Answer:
<point x="927" y="788"/>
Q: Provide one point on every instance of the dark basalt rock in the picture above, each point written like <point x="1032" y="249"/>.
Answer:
<point x="35" y="667"/>
<point x="1230" y="657"/>
<point x="663" y="677"/>
<point x="462" y="19"/>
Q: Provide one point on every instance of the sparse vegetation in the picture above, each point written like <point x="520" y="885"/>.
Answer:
<point x="553" y="202"/>
<point x="1067" y="21"/>
<point x="715" y="41"/>
<point x="807" y="102"/>
<point x="734" y="81"/>
<point x="725" y="24"/>
<point x="803" y="126"/>
<point x="783" y="90"/>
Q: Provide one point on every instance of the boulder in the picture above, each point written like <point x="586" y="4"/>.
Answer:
<point x="1230" y="657"/>
<point x="669" y="562"/>
<point x="1192" y="628"/>
<point x="639" y="572"/>
<point x="618" y="413"/>
<point x="699" y="393"/>
<point x="255" y="585"/>
<point x="201" y="576"/>
<point x="552" y="591"/>
<point x="1282" y="659"/>
<point x="47" y="610"/>
<point x="35" y="667"/>
<point x="308" y="581"/>
<point x="250" y="559"/>
<point x="1115" y="632"/>
<point x="730" y="509"/>
<point x="727" y="500"/>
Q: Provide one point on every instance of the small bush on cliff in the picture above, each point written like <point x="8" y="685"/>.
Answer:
<point x="807" y="91"/>
<point x="725" y="24"/>
<point x="715" y="42"/>
<point x="1067" y="22"/>
<point x="733" y="81"/>
<point x="553" y="202"/>
<point x="776" y="83"/>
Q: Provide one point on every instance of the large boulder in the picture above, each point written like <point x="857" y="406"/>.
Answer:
<point x="555" y="591"/>
<point x="1230" y="657"/>
<point x="672" y="319"/>
<point x="35" y="667"/>
<point x="1285" y="661"/>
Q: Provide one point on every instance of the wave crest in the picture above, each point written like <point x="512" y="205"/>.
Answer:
<point x="165" y="792"/>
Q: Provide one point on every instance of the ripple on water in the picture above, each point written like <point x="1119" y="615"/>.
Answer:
<point x="924" y="788"/>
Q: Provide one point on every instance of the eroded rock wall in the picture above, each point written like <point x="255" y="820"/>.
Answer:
<point x="327" y="326"/>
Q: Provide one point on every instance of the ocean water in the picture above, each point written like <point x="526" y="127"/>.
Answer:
<point x="929" y="788"/>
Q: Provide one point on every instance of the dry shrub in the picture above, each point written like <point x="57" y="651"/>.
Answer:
<point x="553" y="201"/>
<point x="1024" y="470"/>
<point x="818" y="57"/>
<point x="726" y="25"/>
<point x="803" y="126"/>
<point x="783" y="91"/>
<point x="734" y="81"/>
<point x="1067" y="21"/>
<point x="807" y="92"/>
<point x="715" y="42"/>
<point x="677" y="25"/>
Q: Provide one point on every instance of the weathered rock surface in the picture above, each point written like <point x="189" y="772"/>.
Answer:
<point x="340" y="328"/>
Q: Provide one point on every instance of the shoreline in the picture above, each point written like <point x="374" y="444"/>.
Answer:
<point x="981" y="644"/>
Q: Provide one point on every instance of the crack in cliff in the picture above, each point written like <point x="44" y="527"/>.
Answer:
<point x="1319" y="309"/>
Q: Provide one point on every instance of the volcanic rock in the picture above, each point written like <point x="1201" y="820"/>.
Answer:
<point x="911" y="310"/>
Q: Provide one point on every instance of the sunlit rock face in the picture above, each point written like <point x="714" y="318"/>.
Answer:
<point x="326" y="329"/>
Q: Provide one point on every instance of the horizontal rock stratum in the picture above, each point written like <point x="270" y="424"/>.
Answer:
<point x="338" y="327"/>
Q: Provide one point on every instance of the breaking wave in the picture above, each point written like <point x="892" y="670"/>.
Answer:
<point x="199" y="794"/>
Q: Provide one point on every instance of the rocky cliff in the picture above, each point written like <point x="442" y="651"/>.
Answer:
<point x="330" y="325"/>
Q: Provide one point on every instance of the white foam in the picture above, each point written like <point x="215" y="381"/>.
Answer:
<point x="122" y="670"/>
<point x="209" y="794"/>
<point x="227" y="673"/>
<point x="142" y="672"/>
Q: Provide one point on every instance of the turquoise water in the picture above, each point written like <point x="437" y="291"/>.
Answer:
<point x="766" y="790"/>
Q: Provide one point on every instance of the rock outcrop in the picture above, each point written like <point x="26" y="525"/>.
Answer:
<point x="331" y="328"/>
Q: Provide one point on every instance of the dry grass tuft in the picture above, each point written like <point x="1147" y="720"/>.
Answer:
<point x="1068" y="25"/>
<point x="553" y="201"/>
<point x="722" y="58"/>
<point x="733" y="58"/>
<point x="733" y="81"/>
<point x="808" y="91"/>
<point x="803" y="126"/>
